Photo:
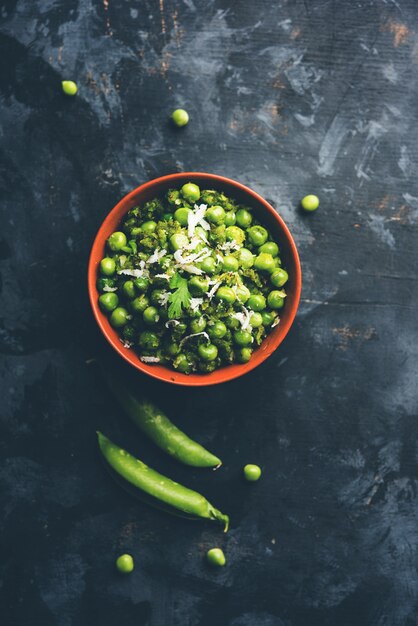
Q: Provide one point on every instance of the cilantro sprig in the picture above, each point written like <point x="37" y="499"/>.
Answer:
<point x="179" y="299"/>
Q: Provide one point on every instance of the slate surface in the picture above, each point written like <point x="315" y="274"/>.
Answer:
<point x="290" y="98"/>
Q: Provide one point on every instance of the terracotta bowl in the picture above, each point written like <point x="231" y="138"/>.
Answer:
<point x="264" y="213"/>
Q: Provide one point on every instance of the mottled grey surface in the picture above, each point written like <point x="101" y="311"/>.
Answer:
<point x="291" y="98"/>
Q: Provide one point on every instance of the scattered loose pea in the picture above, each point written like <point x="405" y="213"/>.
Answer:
<point x="125" y="564"/>
<point x="252" y="472"/>
<point x="108" y="301"/>
<point x="69" y="87"/>
<point x="107" y="266"/>
<point x="117" y="241"/>
<point x="216" y="557"/>
<point x="190" y="192"/>
<point x="310" y="203"/>
<point x="180" y="117"/>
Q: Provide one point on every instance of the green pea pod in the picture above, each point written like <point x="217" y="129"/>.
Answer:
<point x="160" y="429"/>
<point x="171" y="495"/>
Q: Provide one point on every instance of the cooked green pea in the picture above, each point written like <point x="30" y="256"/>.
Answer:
<point x="216" y="557"/>
<point x="128" y="289"/>
<point x="207" y="351"/>
<point x="225" y="294"/>
<point x="244" y="218"/>
<point x="215" y="214"/>
<point x="151" y="315"/>
<point x="257" y="235"/>
<point x="139" y="304"/>
<point x="182" y="215"/>
<point x="190" y="192"/>
<point x="141" y="284"/>
<point x="181" y="363"/>
<point x="69" y="87"/>
<point x="178" y="241"/>
<point x="275" y="300"/>
<point x="117" y="241"/>
<point x="125" y="564"/>
<point x="119" y="317"/>
<point x="235" y="233"/>
<point x="310" y="203"/>
<point x="270" y="247"/>
<point x="264" y="262"/>
<point x="156" y="295"/>
<point x="108" y="302"/>
<point x="252" y="472"/>
<point x="217" y="330"/>
<point x="246" y="258"/>
<point x="105" y="284"/>
<point x="232" y="323"/>
<point x="243" y="338"/>
<point x="256" y="302"/>
<point x="149" y="227"/>
<point x="279" y="277"/>
<point x="198" y="325"/>
<point x="268" y="317"/>
<point x="180" y="117"/>
<point x="230" y="218"/>
<point x="173" y="348"/>
<point x="230" y="263"/>
<point x="107" y="266"/>
<point x="256" y="320"/>
<point x="148" y="340"/>
<point x="208" y="265"/>
<point x="244" y="355"/>
<point x="243" y="293"/>
<point x="198" y="285"/>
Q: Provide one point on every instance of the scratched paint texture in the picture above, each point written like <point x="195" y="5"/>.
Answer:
<point x="291" y="98"/>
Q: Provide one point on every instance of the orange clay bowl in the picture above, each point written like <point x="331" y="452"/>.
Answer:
<point x="264" y="213"/>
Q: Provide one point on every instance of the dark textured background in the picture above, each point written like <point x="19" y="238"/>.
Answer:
<point x="291" y="98"/>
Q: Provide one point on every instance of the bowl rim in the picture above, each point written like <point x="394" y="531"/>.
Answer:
<point x="223" y="374"/>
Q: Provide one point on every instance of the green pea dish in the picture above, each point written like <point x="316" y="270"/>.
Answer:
<point x="192" y="280"/>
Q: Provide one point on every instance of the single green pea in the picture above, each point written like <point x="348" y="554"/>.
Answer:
<point x="244" y="355"/>
<point x="117" y="241"/>
<point x="268" y="317"/>
<point x="139" y="304"/>
<point x="256" y="320"/>
<point x="230" y="263"/>
<point x="182" y="215"/>
<point x="225" y="294"/>
<point x="149" y="227"/>
<point x="232" y="323"/>
<point x="230" y="218"/>
<point x="207" y="351"/>
<point x="244" y="218"/>
<point x="103" y="284"/>
<point x="128" y="289"/>
<point x="108" y="301"/>
<point x="279" y="277"/>
<point x="69" y="87"/>
<point x="252" y="472"/>
<point x="256" y="302"/>
<point x="198" y="325"/>
<point x="208" y="265"/>
<point x="242" y="293"/>
<point x="125" y="564"/>
<point x="215" y="214"/>
<point x="190" y="192"/>
<point x="216" y="557"/>
<point x="275" y="300"/>
<point x="141" y="284"/>
<point x="178" y="241"/>
<point x="151" y="315"/>
<point x="173" y="349"/>
<point x="217" y="330"/>
<point x="119" y="317"/>
<point x="264" y="262"/>
<point x="148" y="340"/>
<point x="246" y="258"/>
<point x="198" y="285"/>
<point x="156" y="295"/>
<point x="270" y="247"/>
<point x="257" y="235"/>
<point x="243" y="338"/>
<point x="181" y="363"/>
<point x="107" y="266"/>
<point x="235" y="233"/>
<point x="180" y="117"/>
<point x="310" y="203"/>
<point x="168" y="217"/>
